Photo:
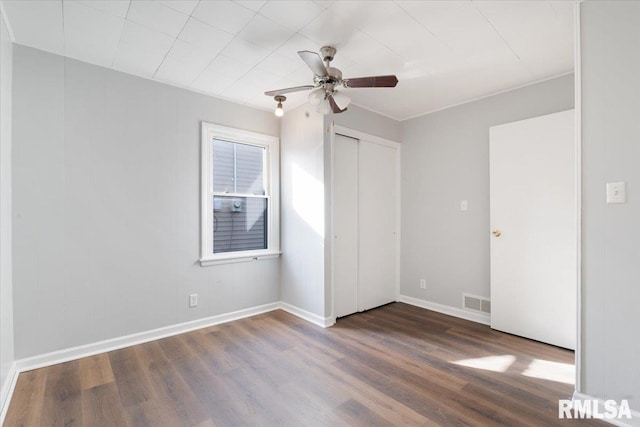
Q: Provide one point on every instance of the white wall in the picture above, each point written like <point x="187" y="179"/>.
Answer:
<point x="610" y="233"/>
<point x="445" y="159"/>
<point x="302" y="196"/>
<point x="6" y="289"/>
<point x="106" y="172"/>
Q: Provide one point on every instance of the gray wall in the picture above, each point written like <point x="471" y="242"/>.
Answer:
<point x="106" y="202"/>
<point x="6" y="297"/>
<point x="363" y="120"/>
<point x="445" y="159"/>
<point x="610" y="233"/>
<point x="302" y="196"/>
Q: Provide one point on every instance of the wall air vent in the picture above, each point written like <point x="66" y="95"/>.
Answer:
<point x="476" y="303"/>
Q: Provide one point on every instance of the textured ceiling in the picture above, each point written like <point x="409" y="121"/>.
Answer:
<point x="443" y="52"/>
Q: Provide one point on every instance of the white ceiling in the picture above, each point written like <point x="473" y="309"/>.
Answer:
<point x="443" y="52"/>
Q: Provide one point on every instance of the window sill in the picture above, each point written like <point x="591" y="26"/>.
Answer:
<point x="232" y="258"/>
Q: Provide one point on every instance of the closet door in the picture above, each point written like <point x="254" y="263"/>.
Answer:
<point x="345" y="225"/>
<point x="377" y="224"/>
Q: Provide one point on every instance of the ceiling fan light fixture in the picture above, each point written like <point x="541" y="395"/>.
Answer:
<point x="280" y="99"/>
<point x="324" y="107"/>
<point x="317" y="96"/>
<point x="341" y="100"/>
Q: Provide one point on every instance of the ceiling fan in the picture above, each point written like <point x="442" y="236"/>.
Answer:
<point x="326" y="81"/>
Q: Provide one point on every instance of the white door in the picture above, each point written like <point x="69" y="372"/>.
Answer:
<point x="534" y="228"/>
<point x="345" y="225"/>
<point x="377" y="223"/>
<point x="364" y="231"/>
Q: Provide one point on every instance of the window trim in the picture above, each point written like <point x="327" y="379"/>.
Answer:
<point x="271" y="144"/>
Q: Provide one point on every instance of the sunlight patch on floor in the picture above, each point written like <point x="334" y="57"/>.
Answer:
<point x="489" y="363"/>
<point x="552" y="371"/>
<point x="537" y="368"/>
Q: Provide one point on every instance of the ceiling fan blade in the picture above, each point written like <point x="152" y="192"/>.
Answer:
<point x="373" y="81"/>
<point x="342" y="100"/>
<point x="313" y="61"/>
<point x="288" y="90"/>
<point x="334" y="106"/>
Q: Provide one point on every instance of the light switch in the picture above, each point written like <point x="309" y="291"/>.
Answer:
<point x="616" y="192"/>
<point x="464" y="206"/>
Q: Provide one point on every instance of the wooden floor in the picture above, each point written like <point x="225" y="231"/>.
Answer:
<point x="394" y="365"/>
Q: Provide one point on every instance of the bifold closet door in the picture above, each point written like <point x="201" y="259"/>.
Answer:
<point x="345" y="225"/>
<point x="364" y="210"/>
<point x="377" y="224"/>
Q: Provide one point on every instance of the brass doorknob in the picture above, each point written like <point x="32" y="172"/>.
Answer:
<point x="496" y="233"/>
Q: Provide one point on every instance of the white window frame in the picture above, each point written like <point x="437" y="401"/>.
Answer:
<point x="271" y="144"/>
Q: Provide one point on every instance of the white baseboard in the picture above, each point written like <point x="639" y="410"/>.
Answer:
<point x="483" y="318"/>
<point x="324" y="322"/>
<point x="60" y="356"/>
<point x="623" y="422"/>
<point x="78" y="352"/>
<point x="65" y="355"/>
<point x="73" y="353"/>
<point x="86" y="350"/>
<point x="7" y="391"/>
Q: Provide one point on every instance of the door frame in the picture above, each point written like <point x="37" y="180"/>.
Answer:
<point x="578" y="183"/>
<point x="352" y="133"/>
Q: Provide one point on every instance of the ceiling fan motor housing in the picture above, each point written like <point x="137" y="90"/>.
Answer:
<point x="334" y="73"/>
<point x="333" y="78"/>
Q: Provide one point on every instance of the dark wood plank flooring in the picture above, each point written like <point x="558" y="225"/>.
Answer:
<point x="395" y="365"/>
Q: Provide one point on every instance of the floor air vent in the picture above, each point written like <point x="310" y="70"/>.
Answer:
<point x="476" y="303"/>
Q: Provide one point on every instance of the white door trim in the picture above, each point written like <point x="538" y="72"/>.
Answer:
<point x="578" y="136"/>
<point x="361" y="135"/>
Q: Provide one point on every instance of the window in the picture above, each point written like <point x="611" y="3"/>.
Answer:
<point x="240" y="188"/>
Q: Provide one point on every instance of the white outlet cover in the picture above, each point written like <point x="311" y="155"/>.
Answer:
<point x="464" y="205"/>
<point x="616" y="192"/>
<point x="193" y="300"/>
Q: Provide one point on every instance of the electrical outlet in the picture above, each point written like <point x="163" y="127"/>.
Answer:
<point x="193" y="300"/>
<point x="423" y="284"/>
